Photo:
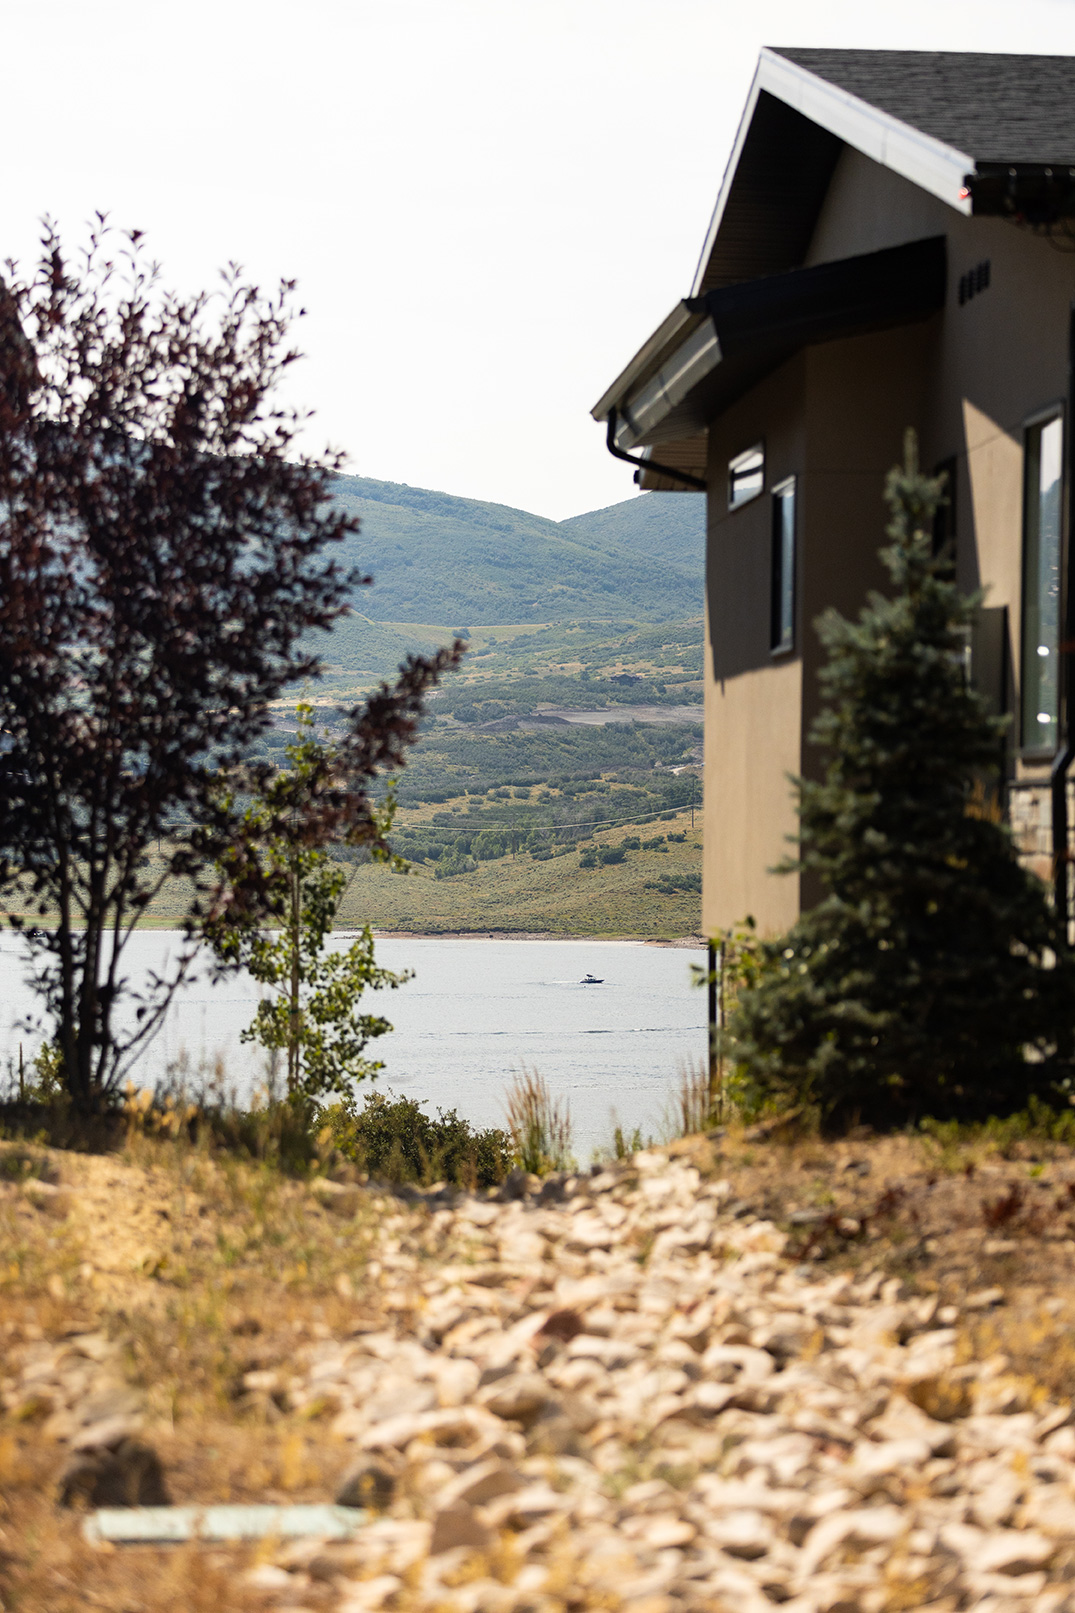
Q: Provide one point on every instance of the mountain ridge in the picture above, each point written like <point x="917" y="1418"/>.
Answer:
<point x="435" y="556"/>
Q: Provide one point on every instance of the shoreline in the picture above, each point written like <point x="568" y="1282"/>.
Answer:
<point x="694" y="942"/>
<point x="691" y="942"/>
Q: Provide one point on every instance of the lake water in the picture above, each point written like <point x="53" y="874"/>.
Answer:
<point x="475" y="1013"/>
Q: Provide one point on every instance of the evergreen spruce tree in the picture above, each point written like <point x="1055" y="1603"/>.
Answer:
<point x="933" y="978"/>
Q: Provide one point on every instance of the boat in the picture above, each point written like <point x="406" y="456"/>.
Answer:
<point x="591" y="980"/>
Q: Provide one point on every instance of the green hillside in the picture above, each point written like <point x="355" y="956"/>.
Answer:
<point x="435" y="557"/>
<point x="563" y="664"/>
<point x="668" y="528"/>
<point x="651" y="890"/>
<point x="502" y="796"/>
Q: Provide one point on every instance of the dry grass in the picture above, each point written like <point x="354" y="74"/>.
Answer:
<point x="946" y="1212"/>
<point x="690" y="1108"/>
<point x="539" y="1125"/>
<point x="201" y="1269"/>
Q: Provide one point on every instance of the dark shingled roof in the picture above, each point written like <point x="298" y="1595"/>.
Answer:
<point x="1008" y="109"/>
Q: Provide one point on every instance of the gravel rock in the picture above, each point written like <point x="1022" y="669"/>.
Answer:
<point x="631" y="1391"/>
<point x="459" y="1525"/>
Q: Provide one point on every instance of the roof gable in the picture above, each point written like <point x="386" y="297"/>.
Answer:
<point x="932" y="116"/>
<point x="984" y="133"/>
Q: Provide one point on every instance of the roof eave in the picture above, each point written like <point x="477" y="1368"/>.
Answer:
<point x="936" y="167"/>
<point x="668" y="336"/>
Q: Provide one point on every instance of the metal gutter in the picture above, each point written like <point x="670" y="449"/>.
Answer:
<point x="665" y="338"/>
<point x="643" y="463"/>
<point x="685" y="367"/>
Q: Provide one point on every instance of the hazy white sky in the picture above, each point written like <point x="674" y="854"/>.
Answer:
<point x="488" y="203"/>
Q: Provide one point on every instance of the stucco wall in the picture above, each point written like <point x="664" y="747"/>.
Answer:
<point x="753" y="700"/>
<point x="968" y="380"/>
<point x="752" y="724"/>
<point x="994" y="362"/>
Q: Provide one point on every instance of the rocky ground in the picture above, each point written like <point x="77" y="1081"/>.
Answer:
<point x="731" y="1375"/>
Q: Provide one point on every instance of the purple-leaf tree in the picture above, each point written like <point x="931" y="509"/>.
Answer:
<point x="164" y="548"/>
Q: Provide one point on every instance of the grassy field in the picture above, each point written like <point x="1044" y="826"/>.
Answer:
<point x="527" y="664"/>
<point x="522" y="895"/>
<point x="519" y="895"/>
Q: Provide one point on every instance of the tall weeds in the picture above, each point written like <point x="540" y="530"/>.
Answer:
<point x="689" y="1109"/>
<point x="540" y="1125"/>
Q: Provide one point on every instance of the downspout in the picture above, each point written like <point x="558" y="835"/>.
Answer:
<point x="715" y="995"/>
<point x="647" y="464"/>
<point x="1065" y="755"/>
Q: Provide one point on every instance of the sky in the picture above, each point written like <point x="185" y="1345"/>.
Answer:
<point x="488" y="204"/>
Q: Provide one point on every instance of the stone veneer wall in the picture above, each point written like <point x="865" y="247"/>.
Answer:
<point x="1031" y="817"/>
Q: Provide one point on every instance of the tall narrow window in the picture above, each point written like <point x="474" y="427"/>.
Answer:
<point x="782" y="620"/>
<point x="1041" y="584"/>
<point x="944" y="520"/>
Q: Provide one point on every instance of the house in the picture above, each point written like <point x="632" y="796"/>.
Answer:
<point x="893" y="245"/>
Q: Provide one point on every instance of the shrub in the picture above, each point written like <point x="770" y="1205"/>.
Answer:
<point x="491" y="844"/>
<point x="311" y="1009"/>
<point x="393" y="1138"/>
<point x="456" y="862"/>
<point x="669" y="884"/>
<point x="611" y="854"/>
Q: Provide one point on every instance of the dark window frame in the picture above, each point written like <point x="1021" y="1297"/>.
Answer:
<point x="1034" y="747"/>
<point x="783" y="587"/>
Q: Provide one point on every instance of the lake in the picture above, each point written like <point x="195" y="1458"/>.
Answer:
<point x="475" y="1013"/>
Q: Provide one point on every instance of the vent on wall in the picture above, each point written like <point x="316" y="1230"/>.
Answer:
<point x="974" y="281"/>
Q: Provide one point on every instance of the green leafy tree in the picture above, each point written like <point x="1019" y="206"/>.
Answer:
<point x="311" y="1011"/>
<point x="933" y="977"/>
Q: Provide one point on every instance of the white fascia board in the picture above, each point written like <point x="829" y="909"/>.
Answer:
<point x="934" y="166"/>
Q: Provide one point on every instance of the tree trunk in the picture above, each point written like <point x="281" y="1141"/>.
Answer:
<point x="295" y="1015"/>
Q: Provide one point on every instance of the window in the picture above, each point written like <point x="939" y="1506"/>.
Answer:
<point x="1042" y="467"/>
<point x="746" y="476"/>
<point x="944" y="519"/>
<point x="782" y="619"/>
